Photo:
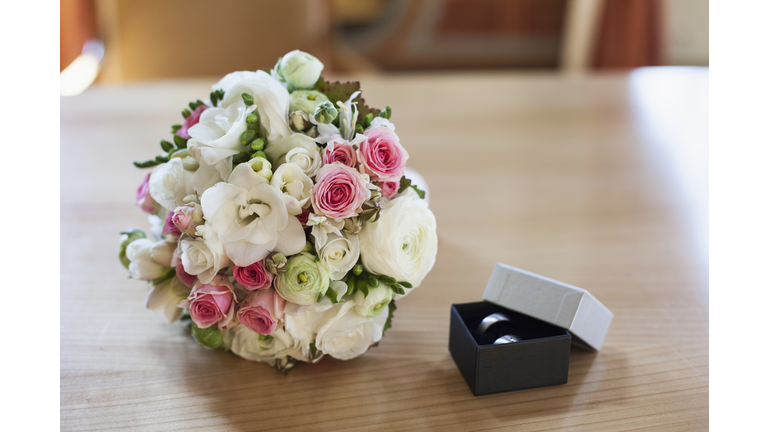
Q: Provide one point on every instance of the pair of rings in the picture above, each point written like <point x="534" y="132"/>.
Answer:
<point x="493" y="319"/>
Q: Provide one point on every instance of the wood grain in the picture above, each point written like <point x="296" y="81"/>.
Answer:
<point x="559" y="176"/>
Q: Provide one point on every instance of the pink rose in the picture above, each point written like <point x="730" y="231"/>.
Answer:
<point x="381" y="156"/>
<point x="187" y="218"/>
<point x="190" y="121"/>
<point x="261" y="311"/>
<point x="254" y="277"/>
<point x="169" y="228"/>
<point x="212" y="303"/>
<point x="143" y="198"/>
<point x="339" y="152"/>
<point x="389" y="189"/>
<point x="183" y="276"/>
<point x="339" y="191"/>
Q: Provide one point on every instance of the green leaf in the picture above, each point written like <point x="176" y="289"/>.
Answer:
<point x="392" y="309"/>
<point x="166" y="145"/>
<point x="331" y="294"/>
<point x="171" y="273"/>
<point x="180" y="141"/>
<point x="146" y="164"/>
<point x="338" y="91"/>
<point x="406" y="183"/>
<point x="175" y="128"/>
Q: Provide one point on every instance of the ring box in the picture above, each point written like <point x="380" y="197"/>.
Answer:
<point x="549" y="316"/>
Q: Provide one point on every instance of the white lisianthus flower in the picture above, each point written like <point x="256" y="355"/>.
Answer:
<point x="302" y="321"/>
<point x="170" y="183"/>
<point x="207" y="175"/>
<point x="343" y="334"/>
<point x="217" y="135"/>
<point x="375" y="303"/>
<point x="296" y="187"/>
<point x="250" y="218"/>
<point x="322" y="227"/>
<point x="403" y="242"/>
<point x="265" y="348"/>
<point x="270" y="98"/>
<point x="298" y="69"/>
<point x="309" y="160"/>
<point x="203" y="257"/>
<point x="166" y="296"/>
<point x="340" y="254"/>
<point x="142" y="266"/>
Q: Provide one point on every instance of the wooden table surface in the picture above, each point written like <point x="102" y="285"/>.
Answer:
<point x="599" y="182"/>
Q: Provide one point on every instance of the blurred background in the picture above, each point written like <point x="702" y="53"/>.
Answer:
<point x="128" y="40"/>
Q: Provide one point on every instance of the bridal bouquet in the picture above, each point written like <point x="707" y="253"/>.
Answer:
<point x="284" y="226"/>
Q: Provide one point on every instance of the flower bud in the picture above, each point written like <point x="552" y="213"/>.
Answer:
<point x="126" y="238"/>
<point x="371" y="211"/>
<point x="299" y="70"/>
<point x="353" y="225"/>
<point x="312" y="132"/>
<point x="326" y="112"/>
<point x="308" y="248"/>
<point x="276" y="263"/>
<point x="257" y="144"/>
<point x="209" y="337"/>
<point x="253" y="118"/>
<point x="247" y="136"/>
<point x="262" y="167"/>
<point x="188" y="217"/>
<point x="298" y="120"/>
<point x="376" y="195"/>
<point x="306" y="100"/>
<point x="247" y="98"/>
<point x="357" y="269"/>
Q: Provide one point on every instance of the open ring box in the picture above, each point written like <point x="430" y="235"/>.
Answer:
<point x="546" y="314"/>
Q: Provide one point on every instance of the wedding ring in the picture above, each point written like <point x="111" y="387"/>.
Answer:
<point x="490" y="320"/>
<point x="507" y="339"/>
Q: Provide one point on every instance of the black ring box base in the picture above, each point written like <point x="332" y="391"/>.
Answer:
<point x="539" y="360"/>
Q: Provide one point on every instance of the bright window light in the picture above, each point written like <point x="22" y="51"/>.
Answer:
<point x="76" y="77"/>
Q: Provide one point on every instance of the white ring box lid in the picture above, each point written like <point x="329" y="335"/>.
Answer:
<point x="563" y="305"/>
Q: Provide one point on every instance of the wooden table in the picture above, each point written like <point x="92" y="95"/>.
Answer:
<point x="596" y="181"/>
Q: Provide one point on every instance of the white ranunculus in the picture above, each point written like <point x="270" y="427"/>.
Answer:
<point x="403" y="242"/>
<point x="270" y="98"/>
<point x="309" y="160"/>
<point x="265" y="348"/>
<point x="375" y="303"/>
<point x="340" y="254"/>
<point x="166" y="296"/>
<point x="296" y="187"/>
<point x="299" y="70"/>
<point x="250" y="218"/>
<point x="322" y="227"/>
<point x="203" y="257"/>
<point x="142" y="266"/>
<point x="343" y="334"/>
<point x="170" y="183"/>
<point x="207" y="175"/>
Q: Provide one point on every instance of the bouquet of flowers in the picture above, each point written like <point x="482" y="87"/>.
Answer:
<point x="285" y="228"/>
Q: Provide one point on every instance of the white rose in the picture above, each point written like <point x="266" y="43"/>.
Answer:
<point x="265" y="348"/>
<point x="142" y="266"/>
<point x="250" y="218"/>
<point x="403" y="242"/>
<point x="270" y="98"/>
<point x="299" y="70"/>
<point x="296" y="187"/>
<point x="166" y="296"/>
<point x="302" y="321"/>
<point x="276" y="151"/>
<point x="309" y="160"/>
<point x="375" y="303"/>
<point x="343" y="334"/>
<point x="203" y="257"/>
<point x="340" y="254"/>
<point x="170" y="183"/>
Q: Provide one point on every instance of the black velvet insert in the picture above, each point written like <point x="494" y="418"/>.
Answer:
<point x="520" y="325"/>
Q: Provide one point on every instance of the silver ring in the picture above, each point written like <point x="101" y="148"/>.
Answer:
<point x="507" y="339"/>
<point x="490" y="320"/>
